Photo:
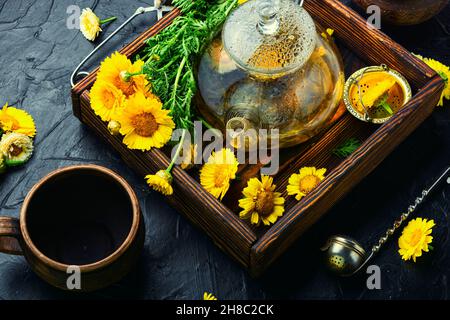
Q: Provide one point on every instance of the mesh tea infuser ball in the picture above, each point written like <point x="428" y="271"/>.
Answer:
<point x="345" y="256"/>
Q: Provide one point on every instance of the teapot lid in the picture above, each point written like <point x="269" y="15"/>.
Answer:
<point x="269" y="37"/>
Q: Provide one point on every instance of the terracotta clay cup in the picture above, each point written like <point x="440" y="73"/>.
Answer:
<point x="84" y="218"/>
<point x="405" y="12"/>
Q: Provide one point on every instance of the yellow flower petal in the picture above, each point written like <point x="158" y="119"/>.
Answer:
<point x="188" y="158"/>
<point x="209" y="296"/>
<point x="260" y="202"/>
<point x="161" y="182"/>
<point x="328" y="33"/>
<point x="106" y="100"/>
<point x="114" y="68"/>
<point x="415" y="238"/>
<point x="321" y="173"/>
<point x="16" y="120"/>
<point x="89" y="24"/>
<point x="305" y="171"/>
<point x="216" y="174"/>
<point x="444" y="72"/>
<point x="255" y="218"/>
<point x="143" y="123"/>
<point x="305" y="181"/>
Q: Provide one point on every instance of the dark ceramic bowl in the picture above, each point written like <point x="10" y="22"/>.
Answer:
<point x="405" y="12"/>
<point x="83" y="216"/>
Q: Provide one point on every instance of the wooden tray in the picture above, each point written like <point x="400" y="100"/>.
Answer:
<point x="257" y="248"/>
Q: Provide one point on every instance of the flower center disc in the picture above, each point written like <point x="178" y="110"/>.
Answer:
<point x="308" y="183"/>
<point x="127" y="88"/>
<point x="264" y="203"/>
<point x="415" y="237"/>
<point x="15" y="150"/>
<point x="145" y="124"/>
<point x="126" y="84"/>
<point x="221" y="176"/>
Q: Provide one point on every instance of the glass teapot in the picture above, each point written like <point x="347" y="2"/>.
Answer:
<point x="271" y="69"/>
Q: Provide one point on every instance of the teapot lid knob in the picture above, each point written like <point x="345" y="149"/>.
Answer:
<point x="269" y="37"/>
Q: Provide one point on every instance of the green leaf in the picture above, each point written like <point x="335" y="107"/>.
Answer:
<point x="384" y="104"/>
<point x="170" y="55"/>
<point x="387" y="107"/>
<point x="347" y="148"/>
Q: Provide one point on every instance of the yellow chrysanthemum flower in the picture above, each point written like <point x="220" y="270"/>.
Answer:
<point x="16" y="148"/>
<point x="305" y="181"/>
<point x="139" y="82"/>
<point x="115" y="70"/>
<point x="106" y="100"/>
<point x="89" y="24"/>
<point x="216" y="174"/>
<point x="209" y="296"/>
<point x="16" y="120"/>
<point x="161" y="182"/>
<point x="242" y="1"/>
<point x="144" y="123"/>
<point x="444" y="72"/>
<point x="261" y="203"/>
<point x="188" y="159"/>
<point x="415" y="238"/>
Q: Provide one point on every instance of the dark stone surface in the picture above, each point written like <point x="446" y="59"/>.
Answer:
<point x="37" y="55"/>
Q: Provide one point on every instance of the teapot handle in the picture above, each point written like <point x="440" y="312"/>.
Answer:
<point x="158" y="7"/>
<point x="10" y="236"/>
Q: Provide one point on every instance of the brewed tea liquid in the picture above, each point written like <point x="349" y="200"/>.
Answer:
<point x="394" y="96"/>
<point x="299" y="104"/>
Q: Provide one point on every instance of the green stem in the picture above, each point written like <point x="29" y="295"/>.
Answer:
<point x="107" y="20"/>
<point x="443" y="76"/>
<point x="177" y="79"/>
<point x="232" y="6"/>
<point x="205" y="123"/>
<point x="387" y="107"/>
<point x="210" y="127"/>
<point x="177" y="153"/>
<point x="128" y="75"/>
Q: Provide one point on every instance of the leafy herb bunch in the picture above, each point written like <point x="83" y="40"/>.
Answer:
<point x="170" y="55"/>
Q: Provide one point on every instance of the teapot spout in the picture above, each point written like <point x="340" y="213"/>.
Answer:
<point x="242" y="133"/>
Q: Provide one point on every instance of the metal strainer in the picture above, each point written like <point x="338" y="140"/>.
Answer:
<point x="345" y="256"/>
<point x="355" y="80"/>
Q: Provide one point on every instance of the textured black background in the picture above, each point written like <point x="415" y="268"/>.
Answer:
<point x="37" y="55"/>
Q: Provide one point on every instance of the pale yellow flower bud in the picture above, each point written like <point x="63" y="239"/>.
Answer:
<point x="114" y="128"/>
<point x="89" y="24"/>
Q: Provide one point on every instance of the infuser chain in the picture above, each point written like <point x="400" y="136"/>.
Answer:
<point x="410" y="210"/>
<point x="399" y="222"/>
